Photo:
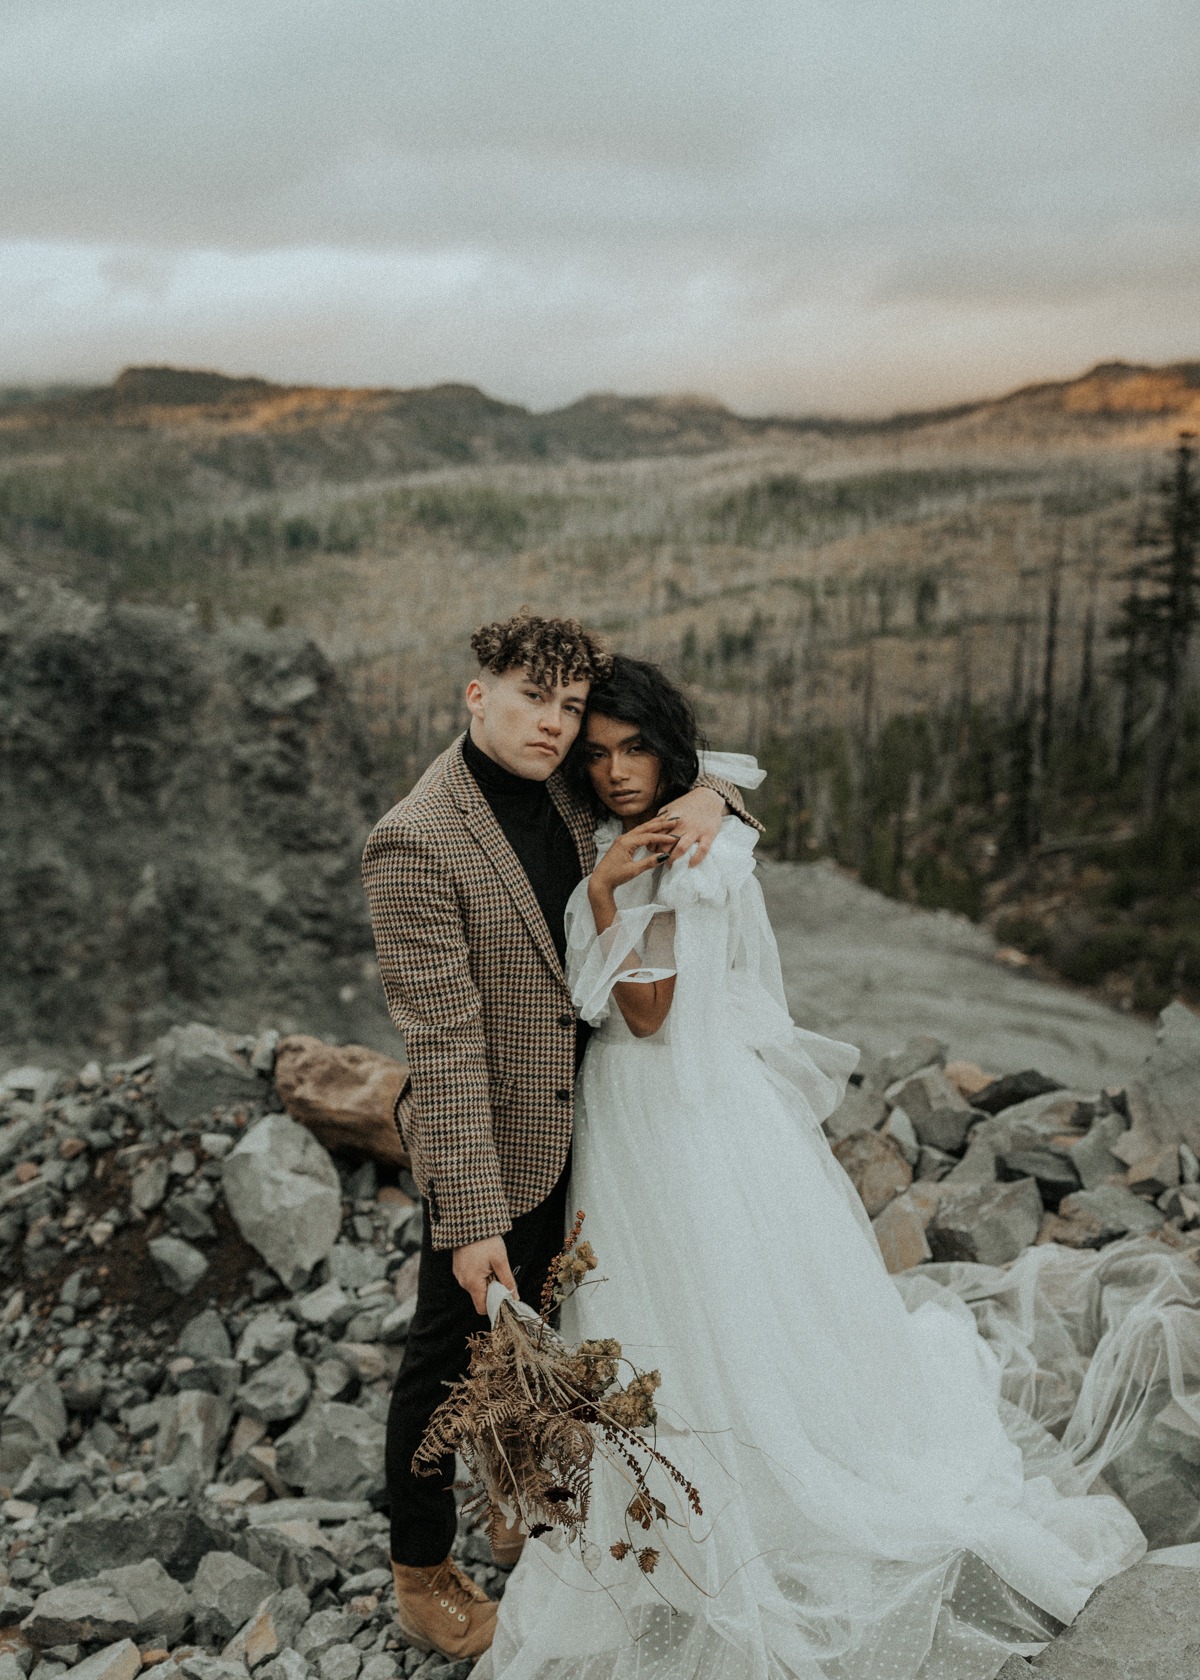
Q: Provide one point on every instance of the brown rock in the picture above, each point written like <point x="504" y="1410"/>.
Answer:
<point x="345" y="1094"/>
<point x="247" y="1433"/>
<point x="1078" y="1229"/>
<point x="968" y="1078"/>
<point x="271" y="1629"/>
<point x="900" y="1233"/>
<point x="26" y="1171"/>
<point x="876" y="1168"/>
<point x="404" y="1284"/>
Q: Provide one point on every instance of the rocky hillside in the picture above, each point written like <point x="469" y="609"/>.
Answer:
<point x="203" y="1310"/>
<point x="180" y="818"/>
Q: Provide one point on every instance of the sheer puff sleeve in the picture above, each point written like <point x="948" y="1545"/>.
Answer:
<point x="637" y="949"/>
<point x="729" y="987"/>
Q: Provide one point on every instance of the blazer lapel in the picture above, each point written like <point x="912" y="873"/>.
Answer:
<point x="481" y="821"/>
<point x="580" y="821"/>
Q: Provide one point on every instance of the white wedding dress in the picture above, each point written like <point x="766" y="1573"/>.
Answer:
<point x="872" y="1508"/>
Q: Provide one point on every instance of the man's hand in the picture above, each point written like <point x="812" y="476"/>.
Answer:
<point x="698" y="817"/>
<point x="477" y="1263"/>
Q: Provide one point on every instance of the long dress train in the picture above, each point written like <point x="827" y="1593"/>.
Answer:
<point x="873" y="1509"/>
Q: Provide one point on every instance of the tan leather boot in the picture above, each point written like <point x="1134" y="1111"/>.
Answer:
<point x="441" y="1609"/>
<point x="507" y="1540"/>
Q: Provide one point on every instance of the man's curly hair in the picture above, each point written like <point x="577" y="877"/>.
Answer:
<point x="552" y="650"/>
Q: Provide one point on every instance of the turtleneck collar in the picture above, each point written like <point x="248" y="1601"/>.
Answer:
<point x="494" y="780"/>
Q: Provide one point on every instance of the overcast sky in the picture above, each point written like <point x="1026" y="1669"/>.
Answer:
<point x="795" y="205"/>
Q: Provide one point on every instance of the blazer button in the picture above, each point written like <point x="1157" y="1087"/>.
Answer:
<point x="566" y="1020"/>
<point x="562" y="1096"/>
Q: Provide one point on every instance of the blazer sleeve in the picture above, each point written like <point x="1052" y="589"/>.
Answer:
<point x="731" y="796"/>
<point x="421" y="944"/>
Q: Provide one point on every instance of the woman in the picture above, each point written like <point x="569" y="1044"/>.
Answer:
<point x="866" y="1514"/>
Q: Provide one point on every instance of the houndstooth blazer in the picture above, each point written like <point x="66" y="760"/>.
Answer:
<point x="475" y="985"/>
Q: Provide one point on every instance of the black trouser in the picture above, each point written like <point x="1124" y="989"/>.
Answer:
<point x="424" y="1516"/>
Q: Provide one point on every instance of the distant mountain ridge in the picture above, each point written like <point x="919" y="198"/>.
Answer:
<point x="379" y="429"/>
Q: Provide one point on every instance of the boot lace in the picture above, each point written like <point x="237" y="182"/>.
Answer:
<point x="449" y="1585"/>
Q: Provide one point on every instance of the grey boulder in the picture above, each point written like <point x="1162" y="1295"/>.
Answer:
<point x="38" y="1407"/>
<point x="921" y="1051"/>
<point x="83" y="1613"/>
<point x="329" y="1305"/>
<point x="196" y="1071"/>
<point x="1092" y="1156"/>
<point x="945" y="1128"/>
<point x="149" y="1186"/>
<point x="326" y="1631"/>
<point x="990" y="1224"/>
<point x="1167" y="1092"/>
<point x="1055" y="1176"/>
<point x="284" y="1193"/>
<point x="294" y="1553"/>
<point x="862" y="1111"/>
<point x="340" y="1662"/>
<point x="925" y="1093"/>
<point x="1142" y="1625"/>
<point x="178" y="1264"/>
<point x="225" y="1594"/>
<point x="288" y="1665"/>
<point x="334" y="1452"/>
<point x="177" y="1538"/>
<point x="1114" y="1210"/>
<point x="190" y="1438"/>
<point x="277" y="1391"/>
<point x="205" y="1337"/>
<point x="14" y="1603"/>
<point x="120" y="1661"/>
<point x="34" y="1422"/>
<point x="266" y="1337"/>
<point x="352" y="1266"/>
<point x="163" y="1606"/>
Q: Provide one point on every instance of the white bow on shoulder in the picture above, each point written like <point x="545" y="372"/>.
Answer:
<point x="739" y="768"/>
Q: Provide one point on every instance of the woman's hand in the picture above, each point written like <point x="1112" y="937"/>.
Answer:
<point x="644" y="1005"/>
<point x="619" y="865"/>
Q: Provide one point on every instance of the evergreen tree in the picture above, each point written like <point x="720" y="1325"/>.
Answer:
<point x="1157" y="620"/>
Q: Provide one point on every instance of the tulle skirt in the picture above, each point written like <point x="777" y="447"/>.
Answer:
<point x="882" y="1494"/>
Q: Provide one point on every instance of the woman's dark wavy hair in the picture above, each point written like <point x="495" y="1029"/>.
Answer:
<point x="639" y="693"/>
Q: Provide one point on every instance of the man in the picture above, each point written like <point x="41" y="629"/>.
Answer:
<point x="468" y="879"/>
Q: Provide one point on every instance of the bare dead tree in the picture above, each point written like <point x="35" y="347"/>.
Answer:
<point x="1085" y="698"/>
<point x="1172" y="608"/>
<point x="1050" y="655"/>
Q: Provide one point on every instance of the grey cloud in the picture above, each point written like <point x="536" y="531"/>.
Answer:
<point x="549" y="196"/>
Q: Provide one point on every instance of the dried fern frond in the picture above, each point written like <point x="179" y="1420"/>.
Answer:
<point x="532" y="1413"/>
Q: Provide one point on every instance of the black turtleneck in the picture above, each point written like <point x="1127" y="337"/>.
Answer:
<point x="537" y="834"/>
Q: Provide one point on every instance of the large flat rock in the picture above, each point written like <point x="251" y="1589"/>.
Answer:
<point x="865" y="968"/>
<point x="1142" y="1625"/>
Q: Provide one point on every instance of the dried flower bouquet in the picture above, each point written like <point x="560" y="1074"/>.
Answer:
<point x="532" y="1413"/>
